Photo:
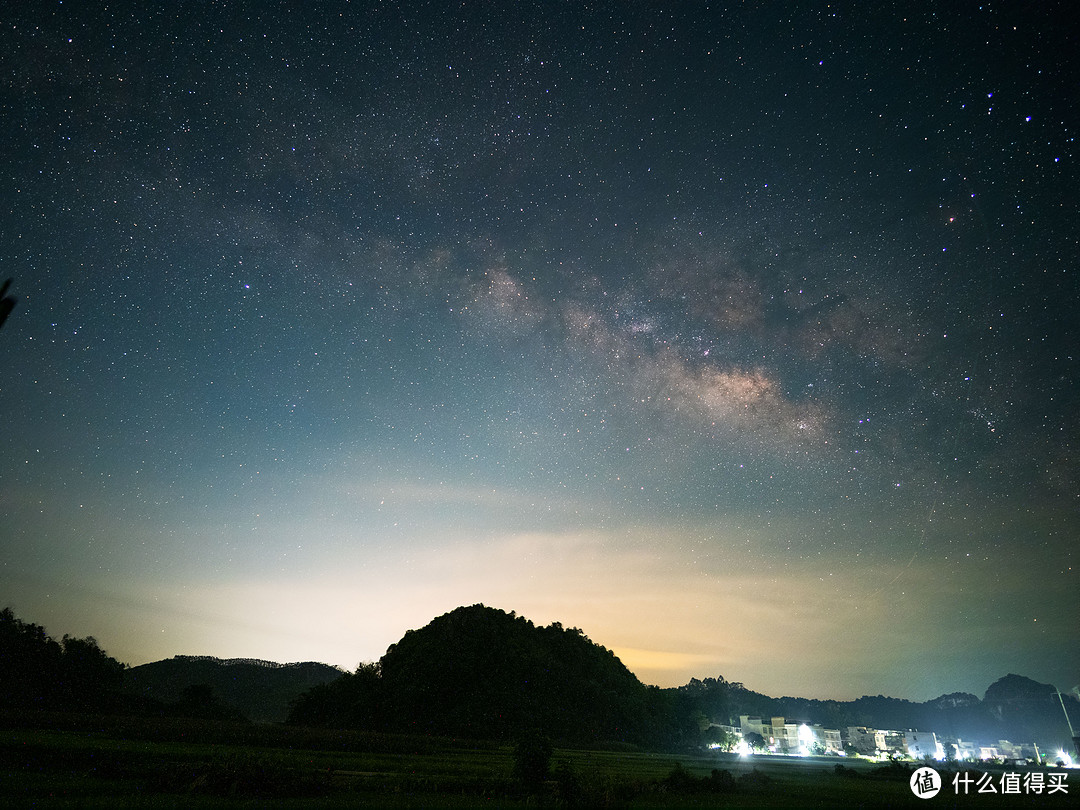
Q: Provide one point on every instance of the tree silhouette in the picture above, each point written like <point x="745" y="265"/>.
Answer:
<point x="40" y="673"/>
<point x="90" y="675"/>
<point x="755" y="741"/>
<point x="532" y="758"/>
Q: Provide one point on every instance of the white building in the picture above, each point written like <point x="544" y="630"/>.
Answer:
<point x="923" y="745"/>
<point x="866" y="740"/>
<point x="783" y="737"/>
<point x="894" y="742"/>
<point x="966" y="750"/>
<point x="825" y="740"/>
<point x="780" y="737"/>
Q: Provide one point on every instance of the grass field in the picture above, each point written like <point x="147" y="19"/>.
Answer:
<point x="64" y="761"/>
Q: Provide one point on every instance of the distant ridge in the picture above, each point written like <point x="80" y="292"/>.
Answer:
<point x="258" y="662"/>
<point x="260" y="690"/>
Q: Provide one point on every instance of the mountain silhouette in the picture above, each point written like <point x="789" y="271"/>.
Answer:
<point x="1032" y="710"/>
<point x="259" y="690"/>
<point x="481" y="672"/>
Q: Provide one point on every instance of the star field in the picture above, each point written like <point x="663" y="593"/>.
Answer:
<point x="741" y="337"/>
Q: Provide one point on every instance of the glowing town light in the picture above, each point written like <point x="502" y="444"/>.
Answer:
<point x="806" y="740"/>
<point x="744" y="748"/>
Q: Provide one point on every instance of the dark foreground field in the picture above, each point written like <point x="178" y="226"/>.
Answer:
<point x="65" y="761"/>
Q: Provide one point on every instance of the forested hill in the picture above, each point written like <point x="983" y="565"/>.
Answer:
<point x="1014" y="708"/>
<point x="260" y="690"/>
<point x="481" y="672"/>
<point x="39" y="673"/>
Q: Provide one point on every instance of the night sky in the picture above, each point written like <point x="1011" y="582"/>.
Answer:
<point x="742" y="336"/>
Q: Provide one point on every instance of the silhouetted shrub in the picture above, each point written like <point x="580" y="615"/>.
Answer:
<point x="721" y="781"/>
<point x="532" y="759"/>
